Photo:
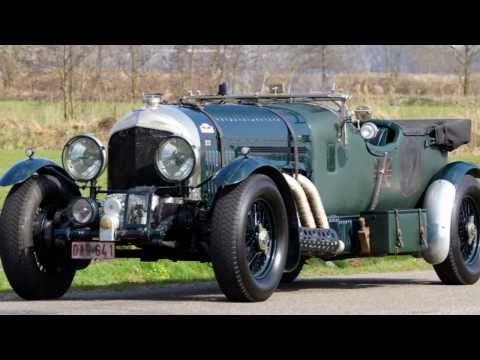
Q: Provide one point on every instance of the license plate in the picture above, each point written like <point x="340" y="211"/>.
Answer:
<point x="93" y="250"/>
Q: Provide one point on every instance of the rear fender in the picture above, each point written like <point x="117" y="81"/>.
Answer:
<point x="239" y="170"/>
<point x="439" y="201"/>
<point x="24" y="170"/>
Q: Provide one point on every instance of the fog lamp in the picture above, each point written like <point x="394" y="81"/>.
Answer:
<point x="83" y="211"/>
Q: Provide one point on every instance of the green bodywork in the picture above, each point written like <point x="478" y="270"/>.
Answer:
<point x="396" y="234"/>
<point x="344" y="171"/>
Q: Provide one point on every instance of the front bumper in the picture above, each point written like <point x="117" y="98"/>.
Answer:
<point x="140" y="218"/>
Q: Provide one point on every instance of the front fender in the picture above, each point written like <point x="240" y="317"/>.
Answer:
<point x="439" y="201"/>
<point x="24" y="170"/>
<point x="238" y="170"/>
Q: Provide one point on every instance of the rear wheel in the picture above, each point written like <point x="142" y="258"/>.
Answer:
<point x="249" y="240"/>
<point x="462" y="266"/>
<point x="35" y="269"/>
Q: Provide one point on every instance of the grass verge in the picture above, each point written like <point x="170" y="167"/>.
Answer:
<point x="119" y="274"/>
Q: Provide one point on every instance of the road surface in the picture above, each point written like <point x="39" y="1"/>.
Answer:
<point x="393" y="293"/>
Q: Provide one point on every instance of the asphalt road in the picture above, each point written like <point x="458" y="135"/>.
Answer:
<point x="395" y="293"/>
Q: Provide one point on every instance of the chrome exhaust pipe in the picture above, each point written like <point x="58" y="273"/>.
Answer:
<point x="301" y="201"/>
<point x="315" y="202"/>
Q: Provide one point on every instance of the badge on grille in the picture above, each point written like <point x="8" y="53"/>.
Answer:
<point x="207" y="129"/>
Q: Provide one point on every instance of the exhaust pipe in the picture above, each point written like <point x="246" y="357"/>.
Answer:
<point x="303" y="206"/>
<point x="315" y="201"/>
<point x="316" y="237"/>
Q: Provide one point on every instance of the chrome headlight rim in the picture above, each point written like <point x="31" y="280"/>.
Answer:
<point x="102" y="151"/>
<point x="193" y="157"/>
<point x="93" y="208"/>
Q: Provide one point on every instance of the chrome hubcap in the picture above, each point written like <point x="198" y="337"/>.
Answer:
<point x="260" y="239"/>
<point x="263" y="238"/>
<point x="471" y="230"/>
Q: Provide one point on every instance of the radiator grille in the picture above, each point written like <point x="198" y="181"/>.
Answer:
<point x="131" y="158"/>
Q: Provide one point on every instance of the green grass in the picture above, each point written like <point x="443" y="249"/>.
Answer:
<point x="118" y="274"/>
<point x="46" y="112"/>
<point x="317" y="267"/>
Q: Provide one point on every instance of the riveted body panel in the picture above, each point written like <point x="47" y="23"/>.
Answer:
<point x="345" y="172"/>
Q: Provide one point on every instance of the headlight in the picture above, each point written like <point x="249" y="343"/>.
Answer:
<point x="175" y="159"/>
<point x="369" y="131"/>
<point x="83" y="211"/>
<point x="84" y="158"/>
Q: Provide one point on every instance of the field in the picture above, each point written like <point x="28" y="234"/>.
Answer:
<point x="39" y="124"/>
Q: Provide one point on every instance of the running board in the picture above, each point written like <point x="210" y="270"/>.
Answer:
<point x="320" y="242"/>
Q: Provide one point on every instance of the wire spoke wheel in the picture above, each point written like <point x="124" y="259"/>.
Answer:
<point x="467" y="230"/>
<point x="462" y="265"/>
<point x="249" y="239"/>
<point x="260" y="238"/>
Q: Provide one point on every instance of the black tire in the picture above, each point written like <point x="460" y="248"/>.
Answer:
<point x="33" y="272"/>
<point x="290" y="277"/>
<point x="462" y="266"/>
<point x="232" y="240"/>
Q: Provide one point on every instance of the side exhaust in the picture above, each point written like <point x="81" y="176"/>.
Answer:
<point x="316" y="237"/>
<point x="315" y="202"/>
<point x="301" y="200"/>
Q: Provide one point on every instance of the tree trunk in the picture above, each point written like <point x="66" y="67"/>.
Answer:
<point x="70" y="83"/>
<point x="466" y="71"/>
<point x="191" y="52"/>
<point x="466" y="81"/>
<point x="133" y="73"/>
<point x="64" y="83"/>
<point x="323" y="59"/>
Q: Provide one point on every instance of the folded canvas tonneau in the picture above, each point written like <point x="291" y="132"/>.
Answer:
<point x="448" y="134"/>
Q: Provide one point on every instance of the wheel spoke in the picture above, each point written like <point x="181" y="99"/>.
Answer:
<point x="468" y="248"/>
<point x="259" y="225"/>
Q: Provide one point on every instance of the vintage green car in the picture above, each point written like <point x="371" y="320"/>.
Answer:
<point x="254" y="184"/>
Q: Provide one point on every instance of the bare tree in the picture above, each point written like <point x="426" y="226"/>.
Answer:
<point x="98" y="68"/>
<point x="66" y="60"/>
<point x="135" y="54"/>
<point x="137" y="57"/>
<point x="219" y="64"/>
<point x="316" y="58"/>
<point x="325" y="58"/>
<point x="9" y="63"/>
<point x="465" y="55"/>
<point x="392" y="59"/>
<point x="182" y="68"/>
<point x="295" y="57"/>
<point x="234" y="63"/>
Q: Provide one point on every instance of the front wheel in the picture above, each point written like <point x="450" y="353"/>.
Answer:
<point x="290" y="277"/>
<point x="34" y="269"/>
<point x="462" y="266"/>
<point x="249" y="240"/>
